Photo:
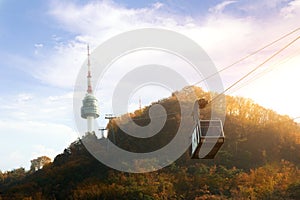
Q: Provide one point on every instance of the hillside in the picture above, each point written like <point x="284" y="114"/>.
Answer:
<point x="260" y="159"/>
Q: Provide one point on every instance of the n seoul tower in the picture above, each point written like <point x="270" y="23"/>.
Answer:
<point x="89" y="109"/>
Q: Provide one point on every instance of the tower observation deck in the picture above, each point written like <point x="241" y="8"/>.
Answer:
<point x="89" y="108"/>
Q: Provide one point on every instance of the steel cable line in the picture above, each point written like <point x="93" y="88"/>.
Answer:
<point x="242" y="78"/>
<point x="257" y="67"/>
<point x="271" y="68"/>
<point x="249" y="73"/>
<point x="249" y="55"/>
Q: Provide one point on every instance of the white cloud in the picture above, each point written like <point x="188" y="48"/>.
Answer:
<point x="292" y="10"/>
<point x="37" y="48"/>
<point x="32" y="107"/>
<point x="261" y="8"/>
<point x="92" y="23"/>
<point x="16" y="155"/>
<point x="225" y="37"/>
<point x="37" y="130"/>
<point x="66" y="96"/>
<point x="15" y="158"/>
<point x="101" y="18"/>
<point x="24" y="97"/>
<point x="38" y="45"/>
<point x="158" y="5"/>
<point x="42" y="150"/>
<point x="218" y="9"/>
<point x="25" y="140"/>
<point x="97" y="21"/>
<point x="29" y="122"/>
<point x="61" y="67"/>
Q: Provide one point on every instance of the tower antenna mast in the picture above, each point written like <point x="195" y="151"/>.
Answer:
<point x="89" y="76"/>
<point x="140" y="103"/>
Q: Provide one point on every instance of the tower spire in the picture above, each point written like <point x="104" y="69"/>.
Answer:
<point x="89" y="76"/>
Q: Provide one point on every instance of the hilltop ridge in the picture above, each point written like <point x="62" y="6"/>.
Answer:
<point x="259" y="160"/>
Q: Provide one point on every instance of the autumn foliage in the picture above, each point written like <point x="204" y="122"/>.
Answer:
<point x="260" y="159"/>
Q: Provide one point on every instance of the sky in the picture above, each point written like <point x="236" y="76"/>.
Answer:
<point x="43" y="46"/>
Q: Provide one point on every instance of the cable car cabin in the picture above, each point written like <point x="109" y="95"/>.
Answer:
<point x="207" y="138"/>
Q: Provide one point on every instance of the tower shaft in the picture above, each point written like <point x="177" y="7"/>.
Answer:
<point x="90" y="124"/>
